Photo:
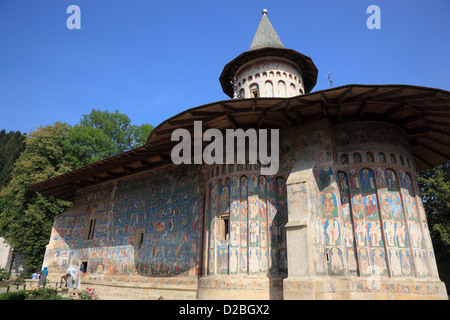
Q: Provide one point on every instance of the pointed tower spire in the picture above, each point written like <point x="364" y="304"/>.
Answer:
<point x="265" y="36"/>
<point x="268" y="69"/>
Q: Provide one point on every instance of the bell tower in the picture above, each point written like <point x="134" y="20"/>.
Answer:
<point x="268" y="69"/>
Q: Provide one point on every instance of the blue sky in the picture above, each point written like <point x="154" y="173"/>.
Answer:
<point x="154" y="59"/>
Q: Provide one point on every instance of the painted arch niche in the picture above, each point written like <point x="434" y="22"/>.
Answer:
<point x="247" y="218"/>
<point x="369" y="225"/>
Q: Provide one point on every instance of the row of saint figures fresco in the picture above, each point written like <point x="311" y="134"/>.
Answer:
<point x="169" y="216"/>
<point x="368" y="225"/>
<point x="257" y="210"/>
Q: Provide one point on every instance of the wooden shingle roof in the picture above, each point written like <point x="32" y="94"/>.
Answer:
<point x="423" y="113"/>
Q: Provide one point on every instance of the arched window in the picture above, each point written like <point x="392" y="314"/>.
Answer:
<point x="293" y="91"/>
<point x="356" y="157"/>
<point x="269" y="89"/>
<point x="370" y="157"/>
<point x="242" y="93"/>
<point x="254" y="90"/>
<point x="393" y="158"/>
<point x="381" y="157"/>
<point x="281" y="89"/>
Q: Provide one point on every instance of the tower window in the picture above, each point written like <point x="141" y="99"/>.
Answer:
<point x="254" y="91"/>
<point x="393" y="158"/>
<point x="269" y="89"/>
<point x="292" y="89"/>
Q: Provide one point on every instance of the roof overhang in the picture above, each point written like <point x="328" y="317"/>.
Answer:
<point x="423" y="113"/>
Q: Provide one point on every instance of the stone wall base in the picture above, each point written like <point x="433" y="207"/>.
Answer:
<point x="258" y="288"/>
<point x="239" y="288"/>
<point x="138" y="287"/>
<point x="363" y="289"/>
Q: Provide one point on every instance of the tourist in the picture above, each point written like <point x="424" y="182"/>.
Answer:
<point x="77" y="277"/>
<point x="43" y="277"/>
<point x="71" y="272"/>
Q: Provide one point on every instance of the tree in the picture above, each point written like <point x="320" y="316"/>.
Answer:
<point x="12" y="145"/>
<point x="102" y="134"/>
<point x="435" y="188"/>
<point x="26" y="217"/>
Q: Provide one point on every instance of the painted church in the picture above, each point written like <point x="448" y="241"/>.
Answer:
<point x="341" y="219"/>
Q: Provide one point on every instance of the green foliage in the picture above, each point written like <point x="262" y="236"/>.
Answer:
<point x="12" y="144"/>
<point x="43" y="294"/>
<point x="102" y="134"/>
<point x="38" y="294"/>
<point x="26" y="218"/>
<point x="15" y="295"/>
<point x="435" y="189"/>
<point x="4" y="275"/>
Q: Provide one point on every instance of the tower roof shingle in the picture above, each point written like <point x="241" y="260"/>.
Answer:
<point x="265" y="36"/>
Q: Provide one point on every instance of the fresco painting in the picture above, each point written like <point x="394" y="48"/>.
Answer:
<point x="364" y="220"/>
<point x="171" y="232"/>
<point x="329" y="205"/>
<point x="257" y="215"/>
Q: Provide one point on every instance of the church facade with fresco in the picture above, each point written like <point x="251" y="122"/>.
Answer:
<point x="341" y="219"/>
